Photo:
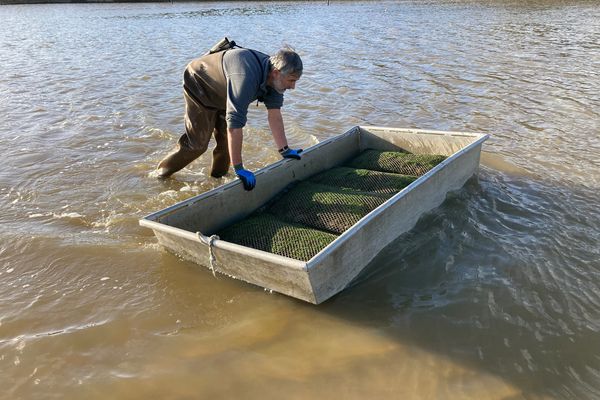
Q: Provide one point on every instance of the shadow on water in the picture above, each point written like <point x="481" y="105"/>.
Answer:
<point x="502" y="278"/>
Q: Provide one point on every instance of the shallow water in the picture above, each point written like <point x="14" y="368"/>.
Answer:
<point x="494" y="295"/>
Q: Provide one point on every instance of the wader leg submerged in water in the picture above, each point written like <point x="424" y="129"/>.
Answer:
<point x="220" y="160"/>
<point x="205" y="94"/>
<point x="200" y="123"/>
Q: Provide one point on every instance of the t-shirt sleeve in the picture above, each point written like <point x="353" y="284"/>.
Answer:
<point x="240" y="93"/>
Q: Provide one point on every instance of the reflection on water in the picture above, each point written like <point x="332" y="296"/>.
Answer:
<point x="493" y="295"/>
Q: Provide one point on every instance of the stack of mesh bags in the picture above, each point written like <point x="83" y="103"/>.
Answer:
<point x="308" y="215"/>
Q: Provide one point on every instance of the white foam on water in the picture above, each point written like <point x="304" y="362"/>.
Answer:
<point x="37" y="215"/>
<point x="68" y="215"/>
<point x="168" y="193"/>
<point x="63" y="215"/>
<point x="153" y="174"/>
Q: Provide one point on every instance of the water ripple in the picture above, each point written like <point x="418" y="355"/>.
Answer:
<point x="501" y="281"/>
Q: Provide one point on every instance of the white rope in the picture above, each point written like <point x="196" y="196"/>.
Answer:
<point x="209" y="241"/>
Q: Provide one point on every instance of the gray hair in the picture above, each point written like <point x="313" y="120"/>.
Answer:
<point x="287" y="61"/>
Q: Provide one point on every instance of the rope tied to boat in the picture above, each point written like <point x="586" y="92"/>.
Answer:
<point x="209" y="242"/>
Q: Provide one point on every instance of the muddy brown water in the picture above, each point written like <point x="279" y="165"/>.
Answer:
<point x="493" y="295"/>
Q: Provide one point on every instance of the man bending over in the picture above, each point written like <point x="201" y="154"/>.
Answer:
<point x="218" y="88"/>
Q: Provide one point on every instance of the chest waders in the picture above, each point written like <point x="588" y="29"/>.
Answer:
<point x="205" y="94"/>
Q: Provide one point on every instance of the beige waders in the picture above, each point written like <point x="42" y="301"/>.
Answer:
<point x="205" y="93"/>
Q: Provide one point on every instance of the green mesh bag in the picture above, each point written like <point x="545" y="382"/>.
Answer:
<point x="382" y="183"/>
<point x="396" y="162"/>
<point x="304" y="219"/>
<point x="266" y="232"/>
<point x="324" y="207"/>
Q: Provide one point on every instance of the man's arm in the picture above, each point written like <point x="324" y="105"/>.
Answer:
<point x="235" y="138"/>
<point x="277" y="129"/>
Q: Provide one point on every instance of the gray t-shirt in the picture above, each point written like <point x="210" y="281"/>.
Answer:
<point x="246" y="75"/>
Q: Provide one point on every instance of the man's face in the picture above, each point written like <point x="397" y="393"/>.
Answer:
<point x="283" y="82"/>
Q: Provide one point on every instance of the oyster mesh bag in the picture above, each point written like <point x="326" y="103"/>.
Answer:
<point x="382" y="183"/>
<point x="324" y="207"/>
<point x="396" y="162"/>
<point x="265" y="232"/>
<point x="303" y="219"/>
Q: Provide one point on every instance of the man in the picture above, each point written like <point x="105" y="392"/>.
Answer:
<point x="218" y="88"/>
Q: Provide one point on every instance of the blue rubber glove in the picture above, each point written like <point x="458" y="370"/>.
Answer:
<point x="247" y="177"/>
<point x="286" y="152"/>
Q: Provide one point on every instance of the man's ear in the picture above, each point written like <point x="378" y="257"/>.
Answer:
<point x="275" y="73"/>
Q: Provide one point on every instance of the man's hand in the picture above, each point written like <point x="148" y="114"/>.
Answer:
<point x="286" y="152"/>
<point x="247" y="177"/>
